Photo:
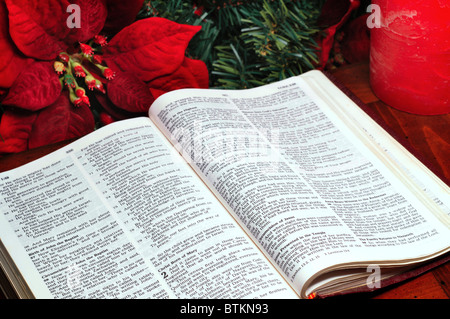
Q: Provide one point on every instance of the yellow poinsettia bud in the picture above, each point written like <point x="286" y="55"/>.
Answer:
<point x="59" y="67"/>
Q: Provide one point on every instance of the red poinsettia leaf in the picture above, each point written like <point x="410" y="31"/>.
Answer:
<point x="38" y="28"/>
<point x="15" y="129"/>
<point x="36" y="87"/>
<point x="199" y="70"/>
<point x="334" y="14"/>
<point x="111" y="109"/>
<point x="156" y="92"/>
<point x="121" y="14"/>
<point x="92" y="19"/>
<point x="128" y="92"/>
<point x="149" y="48"/>
<point x="12" y="60"/>
<point x="61" y="121"/>
<point x="356" y="41"/>
<point x="191" y="74"/>
<point x="105" y="118"/>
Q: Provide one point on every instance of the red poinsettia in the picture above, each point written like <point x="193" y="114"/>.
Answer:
<point x="57" y="80"/>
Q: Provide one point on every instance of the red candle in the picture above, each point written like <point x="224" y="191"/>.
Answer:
<point x="410" y="54"/>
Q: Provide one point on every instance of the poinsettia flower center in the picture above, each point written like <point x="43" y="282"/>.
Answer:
<point x="81" y="70"/>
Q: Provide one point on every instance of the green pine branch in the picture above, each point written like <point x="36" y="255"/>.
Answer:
<point x="247" y="43"/>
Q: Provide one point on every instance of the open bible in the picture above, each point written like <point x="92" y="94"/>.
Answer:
<point x="284" y="191"/>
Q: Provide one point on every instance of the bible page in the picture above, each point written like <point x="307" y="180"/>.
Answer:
<point x="434" y="188"/>
<point x="119" y="214"/>
<point x="307" y="190"/>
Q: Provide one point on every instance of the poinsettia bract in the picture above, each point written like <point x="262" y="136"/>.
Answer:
<point x="58" y="82"/>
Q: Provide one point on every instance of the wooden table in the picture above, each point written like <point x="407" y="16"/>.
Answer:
<point x="428" y="136"/>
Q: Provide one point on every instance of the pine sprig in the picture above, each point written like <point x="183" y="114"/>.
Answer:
<point x="281" y="39"/>
<point x="247" y="43"/>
